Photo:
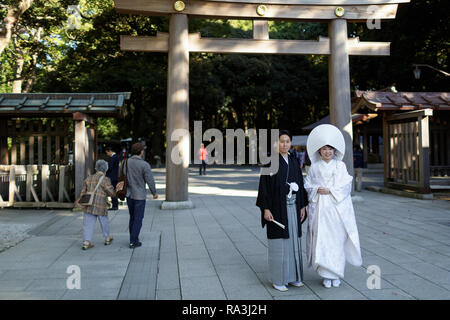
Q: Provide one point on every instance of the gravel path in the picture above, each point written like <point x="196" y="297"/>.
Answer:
<point x="12" y="233"/>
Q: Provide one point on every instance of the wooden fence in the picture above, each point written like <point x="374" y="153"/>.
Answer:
<point x="39" y="142"/>
<point x="440" y="146"/>
<point x="36" y="186"/>
<point x="406" y="156"/>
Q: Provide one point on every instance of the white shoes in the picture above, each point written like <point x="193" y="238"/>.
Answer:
<point x="280" y="288"/>
<point x="297" y="284"/>
<point x="336" y="283"/>
<point x="284" y="288"/>
<point x="326" y="283"/>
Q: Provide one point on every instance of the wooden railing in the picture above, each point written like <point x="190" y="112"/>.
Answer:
<point x="36" y="186"/>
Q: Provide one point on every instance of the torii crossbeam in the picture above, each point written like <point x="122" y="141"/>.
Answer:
<point x="179" y="43"/>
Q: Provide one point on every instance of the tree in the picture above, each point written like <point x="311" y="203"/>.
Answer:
<point x="14" y="10"/>
<point x="36" y="42"/>
<point x="419" y="34"/>
<point x="226" y="91"/>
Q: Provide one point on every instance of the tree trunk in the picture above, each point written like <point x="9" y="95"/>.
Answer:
<point x="15" y="10"/>
<point x="30" y="81"/>
<point x="17" y="83"/>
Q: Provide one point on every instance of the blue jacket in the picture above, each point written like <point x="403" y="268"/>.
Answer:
<point x="113" y="168"/>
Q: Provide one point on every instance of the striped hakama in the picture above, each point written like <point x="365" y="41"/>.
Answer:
<point x="285" y="255"/>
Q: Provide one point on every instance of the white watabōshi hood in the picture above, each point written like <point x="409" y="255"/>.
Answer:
<point x="325" y="134"/>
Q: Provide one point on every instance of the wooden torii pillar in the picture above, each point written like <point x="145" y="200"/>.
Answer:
<point x="85" y="149"/>
<point x="178" y="43"/>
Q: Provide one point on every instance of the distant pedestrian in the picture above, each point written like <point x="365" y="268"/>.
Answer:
<point x="203" y="156"/>
<point x="302" y="158"/>
<point x="113" y="173"/>
<point x="124" y="153"/>
<point x="99" y="209"/>
<point x="139" y="173"/>
<point x="358" y="164"/>
<point x="358" y="161"/>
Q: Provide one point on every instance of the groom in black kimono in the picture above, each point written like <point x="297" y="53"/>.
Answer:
<point x="279" y="201"/>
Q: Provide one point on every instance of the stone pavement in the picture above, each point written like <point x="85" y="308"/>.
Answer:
<point x="219" y="250"/>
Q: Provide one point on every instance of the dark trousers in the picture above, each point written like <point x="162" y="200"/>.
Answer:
<point x="115" y="201"/>
<point x="136" y="209"/>
<point x="203" y="166"/>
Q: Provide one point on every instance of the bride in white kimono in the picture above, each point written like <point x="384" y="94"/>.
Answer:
<point x="332" y="236"/>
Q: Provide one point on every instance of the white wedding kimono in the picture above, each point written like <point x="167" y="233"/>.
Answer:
<point x="332" y="236"/>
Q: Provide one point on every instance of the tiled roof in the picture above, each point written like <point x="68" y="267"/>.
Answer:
<point x="63" y="104"/>
<point x="399" y="101"/>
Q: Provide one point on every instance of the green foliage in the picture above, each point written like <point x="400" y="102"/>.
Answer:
<point x="418" y="35"/>
<point x="108" y="128"/>
<point x="39" y="38"/>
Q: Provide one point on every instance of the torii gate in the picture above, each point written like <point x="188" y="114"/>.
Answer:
<point x="178" y="43"/>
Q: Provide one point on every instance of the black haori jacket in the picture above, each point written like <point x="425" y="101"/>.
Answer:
<point x="272" y="195"/>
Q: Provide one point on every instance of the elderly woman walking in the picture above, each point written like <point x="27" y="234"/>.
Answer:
<point x="102" y="187"/>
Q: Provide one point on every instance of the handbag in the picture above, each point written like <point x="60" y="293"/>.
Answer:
<point x="87" y="199"/>
<point x="121" y="189"/>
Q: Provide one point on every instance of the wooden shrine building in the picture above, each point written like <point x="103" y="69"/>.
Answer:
<point x="415" y="131"/>
<point x="407" y="132"/>
<point x="48" y="144"/>
<point x="178" y="43"/>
